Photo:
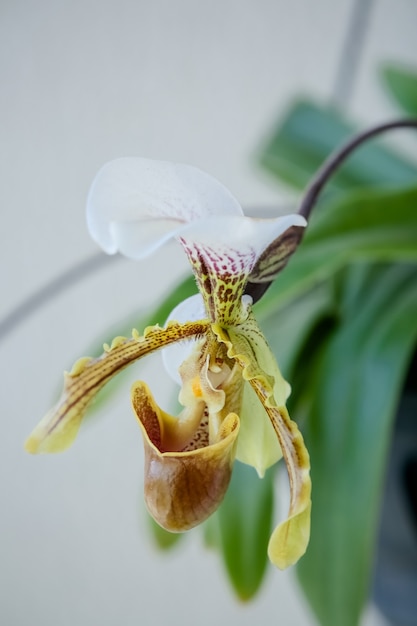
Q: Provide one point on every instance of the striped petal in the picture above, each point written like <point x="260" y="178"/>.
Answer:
<point x="58" y="429"/>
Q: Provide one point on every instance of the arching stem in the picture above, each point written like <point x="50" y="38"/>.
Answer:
<point x="327" y="170"/>
<point x="337" y="158"/>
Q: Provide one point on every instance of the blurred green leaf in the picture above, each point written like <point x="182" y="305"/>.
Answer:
<point x="310" y="132"/>
<point x="244" y="524"/>
<point x="157" y="315"/>
<point x="401" y="83"/>
<point x="375" y="225"/>
<point x="163" y="539"/>
<point x="348" y="432"/>
<point x="287" y="328"/>
<point x="211" y="533"/>
<point x="177" y="294"/>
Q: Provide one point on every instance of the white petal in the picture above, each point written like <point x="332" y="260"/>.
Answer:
<point x="132" y="191"/>
<point x="137" y="240"/>
<point x="173" y="356"/>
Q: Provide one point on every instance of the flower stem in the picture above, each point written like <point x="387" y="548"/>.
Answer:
<point x="257" y="289"/>
<point x="337" y="158"/>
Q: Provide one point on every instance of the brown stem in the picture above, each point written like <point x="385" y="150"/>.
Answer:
<point x="326" y="171"/>
<point x="337" y="158"/>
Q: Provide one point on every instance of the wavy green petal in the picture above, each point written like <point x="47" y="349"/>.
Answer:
<point x="258" y="445"/>
<point x="248" y="347"/>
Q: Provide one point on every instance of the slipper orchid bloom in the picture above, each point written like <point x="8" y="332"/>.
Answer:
<point x="232" y="391"/>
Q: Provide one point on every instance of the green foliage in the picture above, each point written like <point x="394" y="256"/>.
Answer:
<point x="241" y="528"/>
<point x="161" y="537"/>
<point x="401" y="83"/>
<point x="375" y="225"/>
<point x="347" y="433"/>
<point x="346" y="378"/>
<point x="307" y="135"/>
<point x="354" y="277"/>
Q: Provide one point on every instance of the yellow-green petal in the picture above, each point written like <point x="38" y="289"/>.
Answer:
<point x="290" y="539"/>
<point x="247" y="346"/>
<point x="258" y="445"/>
<point x="58" y="429"/>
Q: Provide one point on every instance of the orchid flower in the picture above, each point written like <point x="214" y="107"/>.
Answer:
<point x="232" y="391"/>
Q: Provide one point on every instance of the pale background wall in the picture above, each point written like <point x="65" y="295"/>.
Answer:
<point x="82" y="82"/>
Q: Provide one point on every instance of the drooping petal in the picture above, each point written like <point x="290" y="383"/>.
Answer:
<point x="290" y="538"/>
<point x="135" y="204"/>
<point x="249" y="349"/>
<point x="59" y="427"/>
<point x="182" y="488"/>
<point x="258" y="445"/>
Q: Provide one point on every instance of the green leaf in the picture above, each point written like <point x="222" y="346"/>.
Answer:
<point x="401" y="83"/>
<point x="287" y="328"/>
<point x="361" y="374"/>
<point x="310" y="132"/>
<point x="163" y="539"/>
<point x="211" y="533"/>
<point x="185" y="289"/>
<point x="374" y="225"/>
<point x="244" y="524"/>
<point x="157" y="315"/>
